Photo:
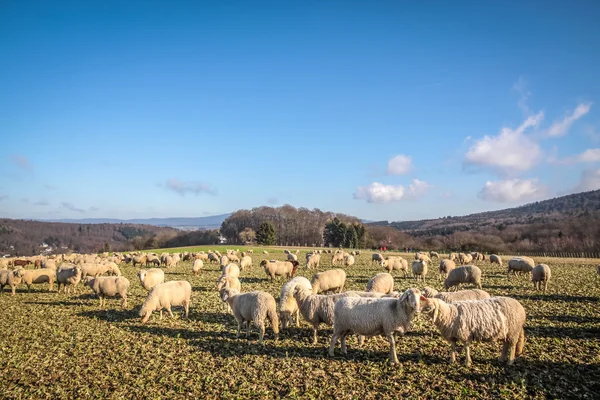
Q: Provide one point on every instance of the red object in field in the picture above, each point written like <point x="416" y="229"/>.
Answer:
<point x="385" y="249"/>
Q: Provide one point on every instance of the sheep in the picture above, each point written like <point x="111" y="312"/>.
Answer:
<point x="333" y="279"/>
<point x="372" y="317"/>
<point x="288" y="306"/>
<point x="317" y="308"/>
<point x="419" y="269"/>
<point x="254" y="306"/>
<point x="495" y="259"/>
<point x="231" y="270"/>
<point x="95" y="270"/>
<point x="202" y="256"/>
<point x="313" y="261"/>
<point x="51" y="264"/>
<point x="165" y="295"/>
<point x="520" y="264"/>
<point x="422" y="256"/>
<point x="151" y="277"/>
<point x="376" y="257"/>
<point x="463" y="274"/>
<point x="337" y="258"/>
<point x="453" y="257"/>
<point x="109" y="286"/>
<point x="233" y="258"/>
<point x="246" y="263"/>
<point x="224" y="261"/>
<point x="39" y="276"/>
<point x="395" y="264"/>
<point x="265" y="252"/>
<point x="465" y="258"/>
<point x="286" y="251"/>
<point x="68" y="275"/>
<point x="540" y="274"/>
<point x="139" y="260"/>
<point x="460" y="295"/>
<point x="197" y="266"/>
<point x="493" y="319"/>
<point x="279" y="268"/>
<point x="292" y="257"/>
<point x="382" y="283"/>
<point x="152" y="259"/>
<point x="10" y="278"/>
<point x="112" y="269"/>
<point x="171" y="261"/>
<point x="212" y="257"/>
<point x="434" y="254"/>
<point x="446" y="266"/>
<point x="349" y="260"/>
<point x="228" y="281"/>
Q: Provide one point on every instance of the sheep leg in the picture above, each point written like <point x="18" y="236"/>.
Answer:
<point x="315" y="327"/>
<point x="261" y="333"/>
<point x="505" y="347"/>
<point x="344" y="348"/>
<point x="453" y="352"/>
<point x="124" y="300"/>
<point x="186" y="306"/>
<point x="361" y="340"/>
<point x="393" y="356"/>
<point x="511" y="353"/>
<point x="468" y="355"/>
<point x="298" y="318"/>
<point x="545" y="286"/>
<point x="334" y="339"/>
<point x="170" y="312"/>
<point x="247" y="329"/>
<point x="237" y="335"/>
<point x="160" y="313"/>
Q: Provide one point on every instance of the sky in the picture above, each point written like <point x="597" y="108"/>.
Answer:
<point x="382" y="110"/>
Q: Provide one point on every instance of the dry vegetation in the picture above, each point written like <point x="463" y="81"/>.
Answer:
<point x="64" y="346"/>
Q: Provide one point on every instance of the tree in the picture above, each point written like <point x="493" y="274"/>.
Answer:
<point x="266" y="234"/>
<point x="247" y="235"/>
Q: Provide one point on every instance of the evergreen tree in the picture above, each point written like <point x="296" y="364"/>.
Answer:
<point x="266" y="234"/>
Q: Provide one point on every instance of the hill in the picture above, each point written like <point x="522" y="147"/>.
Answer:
<point x="185" y="223"/>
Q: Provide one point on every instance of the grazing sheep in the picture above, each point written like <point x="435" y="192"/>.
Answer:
<point x="151" y="277"/>
<point x="38" y="276"/>
<point x="275" y="268"/>
<point x="112" y="269"/>
<point x="197" y="266"/>
<point x="286" y="251"/>
<point x="246" y="263"/>
<point x="337" y="258"/>
<point x="265" y="252"/>
<point x="10" y="278"/>
<point x="333" y="279"/>
<point x="540" y="274"/>
<point x="202" y="256"/>
<point x="313" y="261"/>
<point x="109" y="286"/>
<point x="422" y="256"/>
<point x="51" y="264"/>
<point x="446" y="266"/>
<point x="453" y="257"/>
<point x="373" y="317"/>
<point x="493" y="319"/>
<point x="292" y="257"/>
<point x="434" y="254"/>
<point x="395" y="264"/>
<point x="152" y="259"/>
<point x="349" y="261"/>
<point x="166" y="295"/>
<point x="95" y="270"/>
<point x="231" y="270"/>
<point x="68" y="276"/>
<point x="419" y="269"/>
<point x="317" y="308"/>
<point x="382" y="283"/>
<point x="212" y="257"/>
<point x="464" y="274"/>
<point x="138" y="260"/>
<point x="465" y="258"/>
<point x="233" y="258"/>
<point x="224" y="261"/>
<point x="460" y="295"/>
<point x="252" y="306"/>
<point x="495" y="259"/>
<point x="288" y="306"/>
<point x="520" y="264"/>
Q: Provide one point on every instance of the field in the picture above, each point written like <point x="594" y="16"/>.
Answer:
<point x="64" y="346"/>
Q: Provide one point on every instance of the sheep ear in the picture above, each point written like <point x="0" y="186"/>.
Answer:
<point x="423" y="298"/>
<point x="435" y="314"/>
<point x="404" y="296"/>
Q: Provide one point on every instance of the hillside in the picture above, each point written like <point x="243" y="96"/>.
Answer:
<point x="186" y="223"/>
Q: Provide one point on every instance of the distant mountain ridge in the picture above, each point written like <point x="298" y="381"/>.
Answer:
<point x="209" y="222"/>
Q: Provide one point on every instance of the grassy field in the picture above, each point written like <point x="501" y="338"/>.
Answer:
<point x="64" y="346"/>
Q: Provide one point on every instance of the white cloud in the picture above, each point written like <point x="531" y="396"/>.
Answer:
<point x="588" y="156"/>
<point x="590" y="180"/>
<point x="399" y="165"/>
<point x="510" y="151"/>
<point x="560" y="128"/>
<point x="418" y="188"/>
<point x="183" y="188"/>
<point x="380" y="193"/>
<point x="71" y="207"/>
<point x="512" y="190"/>
<point x="521" y="88"/>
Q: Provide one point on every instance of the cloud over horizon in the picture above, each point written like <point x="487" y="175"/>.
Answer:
<point x="560" y="128"/>
<point x="184" y="188"/>
<point x="512" y="190"/>
<point x="379" y="193"/>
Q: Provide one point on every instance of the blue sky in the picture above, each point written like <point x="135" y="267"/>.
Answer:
<point x="386" y="110"/>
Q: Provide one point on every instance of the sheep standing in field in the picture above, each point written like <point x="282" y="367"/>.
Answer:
<point x="373" y="317"/>
<point x="540" y="275"/>
<point x="246" y="263"/>
<point x="233" y="258"/>
<point x="292" y="257"/>
<point x="337" y="258"/>
<point x="166" y="295"/>
<point x="493" y="319"/>
<point x="231" y="270"/>
<point x="349" y="260"/>
<point x="465" y="258"/>
<point x="226" y="281"/>
<point x="68" y="276"/>
<point x="422" y="256"/>
<point x="279" y="268"/>
<point x="151" y="277"/>
<point x="38" y="276"/>
<point x="286" y="251"/>
<point x="464" y="274"/>
<point x="520" y="264"/>
<point x="109" y="286"/>
<point x="419" y="269"/>
<point x="265" y="252"/>
<point x="381" y="283"/>
<point x="212" y="257"/>
<point x="138" y="260"/>
<point x="224" y="261"/>
<point x="313" y="261"/>
<point x="288" y="306"/>
<point x="197" y="266"/>
<point x="445" y="267"/>
<point x="453" y="257"/>
<point x="495" y="259"/>
<point x="152" y="259"/>
<point x="252" y="306"/>
<point x="202" y="256"/>
<point x="333" y="279"/>
<point x="50" y="264"/>
<point x="10" y="278"/>
<point x="460" y="295"/>
<point x="376" y="257"/>
<point x="317" y="308"/>
<point x="395" y="264"/>
<point x="434" y="254"/>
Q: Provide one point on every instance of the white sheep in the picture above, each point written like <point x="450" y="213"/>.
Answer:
<point x="35" y="277"/>
<point x="265" y="252"/>
<point x="373" y="317"/>
<point x="151" y="277"/>
<point x="495" y="259"/>
<point x="231" y="270"/>
<point x="197" y="266"/>
<point x="382" y="283"/>
<point x="520" y="264"/>
<point x="333" y="279"/>
<point x="292" y="257"/>
<point x="493" y="319"/>
<point x="246" y="263"/>
<point x="446" y="266"/>
<point x="254" y="306"/>
<point x="109" y="286"/>
<point x="224" y="261"/>
<point x="540" y="275"/>
<point x="288" y="306"/>
<point x="313" y="261"/>
<point x="275" y="268"/>
<point x="464" y="274"/>
<point x="392" y="263"/>
<point x="337" y="258"/>
<point x="212" y="257"/>
<point x="166" y="295"/>
<point x="465" y="258"/>
<point x="68" y="276"/>
<point x="349" y="260"/>
<point x="459" y="295"/>
<point x="419" y="269"/>
<point x="434" y="254"/>
<point x="422" y="256"/>
<point x="10" y="278"/>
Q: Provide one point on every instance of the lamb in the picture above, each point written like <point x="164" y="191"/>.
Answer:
<point x="460" y="295"/>
<point x="254" y="306"/>
<point x="337" y="258"/>
<point x="382" y="283"/>
<point x="372" y="317"/>
<point x="395" y="264"/>
<point x="67" y="276"/>
<point x="434" y="254"/>
<point x="279" y="268"/>
<point x="493" y="319"/>
<point x="419" y="269"/>
<point x="292" y="257"/>
<point x="540" y="275"/>
<point x="495" y="259"/>
<point x="349" y="260"/>
<point x="317" y="308"/>
<point x="38" y="276"/>
<point x="376" y="257"/>
<point x="333" y="279"/>
<point x="520" y="264"/>
<point x="151" y="277"/>
<point x="446" y="266"/>
<point x="10" y="278"/>
<point x="464" y="274"/>
<point x="197" y="266"/>
<point x="231" y="270"/>
<point x="246" y="263"/>
<point x="313" y="261"/>
<point x="166" y="295"/>
<point x="109" y="286"/>
<point x="288" y="306"/>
